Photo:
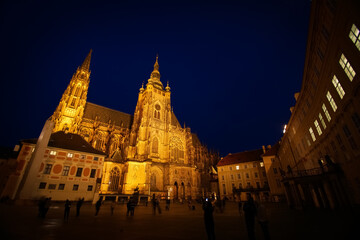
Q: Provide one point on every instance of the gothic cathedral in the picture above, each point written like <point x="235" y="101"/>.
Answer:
<point x="149" y="151"/>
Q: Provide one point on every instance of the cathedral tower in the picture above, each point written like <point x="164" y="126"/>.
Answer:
<point x="150" y="131"/>
<point x="69" y="112"/>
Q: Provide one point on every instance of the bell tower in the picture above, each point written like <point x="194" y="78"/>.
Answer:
<point x="69" y="112"/>
<point x="149" y="133"/>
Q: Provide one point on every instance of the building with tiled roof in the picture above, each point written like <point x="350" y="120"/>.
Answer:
<point x="68" y="168"/>
<point x="242" y="173"/>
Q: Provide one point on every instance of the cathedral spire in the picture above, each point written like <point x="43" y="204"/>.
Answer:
<point x="155" y="75"/>
<point x="86" y="64"/>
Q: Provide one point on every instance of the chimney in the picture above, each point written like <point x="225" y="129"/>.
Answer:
<point x="263" y="147"/>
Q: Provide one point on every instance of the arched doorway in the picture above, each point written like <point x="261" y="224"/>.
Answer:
<point x="182" y="191"/>
<point x="176" y="190"/>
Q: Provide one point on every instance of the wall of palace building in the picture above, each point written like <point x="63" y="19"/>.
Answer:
<point x="64" y="171"/>
<point x="242" y="173"/>
<point x="320" y="150"/>
<point x="149" y="150"/>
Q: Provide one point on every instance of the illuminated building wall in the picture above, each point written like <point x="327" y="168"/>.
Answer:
<point x="320" y="150"/>
<point x="274" y="173"/>
<point x="69" y="169"/>
<point x="241" y="173"/>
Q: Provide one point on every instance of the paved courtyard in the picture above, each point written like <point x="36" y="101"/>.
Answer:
<point x="21" y="222"/>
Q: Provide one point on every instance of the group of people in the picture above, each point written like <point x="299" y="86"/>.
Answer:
<point x="251" y="211"/>
<point x="156" y="205"/>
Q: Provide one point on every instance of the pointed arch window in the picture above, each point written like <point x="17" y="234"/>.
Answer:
<point x="73" y="100"/>
<point x="153" y="182"/>
<point x="155" y="145"/>
<point x="114" y="180"/>
<point x="78" y="91"/>
<point x="157" y="111"/>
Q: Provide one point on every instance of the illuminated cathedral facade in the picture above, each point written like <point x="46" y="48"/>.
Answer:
<point x="149" y="151"/>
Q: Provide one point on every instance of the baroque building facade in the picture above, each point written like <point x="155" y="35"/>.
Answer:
<point x="149" y="151"/>
<point x="320" y="150"/>
<point x="243" y="173"/>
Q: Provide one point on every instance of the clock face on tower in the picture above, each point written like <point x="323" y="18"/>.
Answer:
<point x="157" y="107"/>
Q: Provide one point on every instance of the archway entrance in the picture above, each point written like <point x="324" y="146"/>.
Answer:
<point x="176" y="191"/>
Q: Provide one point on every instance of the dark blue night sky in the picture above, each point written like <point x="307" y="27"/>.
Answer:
<point x="233" y="66"/>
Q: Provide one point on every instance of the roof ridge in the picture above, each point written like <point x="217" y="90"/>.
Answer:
<point x="109" y="108"/>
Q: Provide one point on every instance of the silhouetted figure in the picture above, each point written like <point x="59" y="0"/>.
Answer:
<point x="47" y="205"/>
<point x="78" y="206"/>
<point x="208" y="219"/>
<point x="67" y="210"/>
<point x="250" y="213"/>
<point x="112" y="207"/>
<point x="167" y="207"/>
<point x="154" y="203"/>
<point x="158" y="206"/>
<point x="41" y="207"/>
<point x="219" y="204"/>
<point x="263" y="220"/>
<point x="240" y="208"/>
<point x="97" y="206"/>
<point x="133" y="205"/>
<point x="130" y="207"/>
<point x="189" y="204"/>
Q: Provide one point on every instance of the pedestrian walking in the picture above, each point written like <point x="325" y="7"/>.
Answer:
<point x="97" y="206"/>
<point x="67" y="210"/>
<point x="249" y="209"/>
<point x="153" y="202"/>
<point x="208" y="219"/>
<point x="263" y="220"/>
<point x="133" y="205"/>
<point x="241" y="212"/>
<point x="41" y="207"/>
<point x="47" y="206"/>
<point x="78" y="206"/>
<point x="189" y="204"/>
<point x="158" y="206"/>
<point x="112" y="207"/>
<point x="167" y="207"/>
<point x="130" y="207"/>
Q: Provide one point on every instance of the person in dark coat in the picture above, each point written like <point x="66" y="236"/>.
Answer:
<point x="78" y="206"/>
<point x="263" y="220"/>
<point x="167" y="207"/>
<point x="249" y="209"/>
<point x="130" y="206"/>
<point x="41" y="206"/>
<point x="154" y="203"/>
<point x="208" y="219"/>
<point x="67" y="210"/>
<point x="97" y="206"/>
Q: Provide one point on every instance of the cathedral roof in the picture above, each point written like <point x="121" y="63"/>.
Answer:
<point x="68" y="141"/>
<point x="105" y="114"/>
<point x="241" y="157"/>
<point x="174" y="120"/>
<point x="195" y="139"/>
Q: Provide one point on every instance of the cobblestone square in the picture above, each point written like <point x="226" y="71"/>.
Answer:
<point x="21" y="222"/>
